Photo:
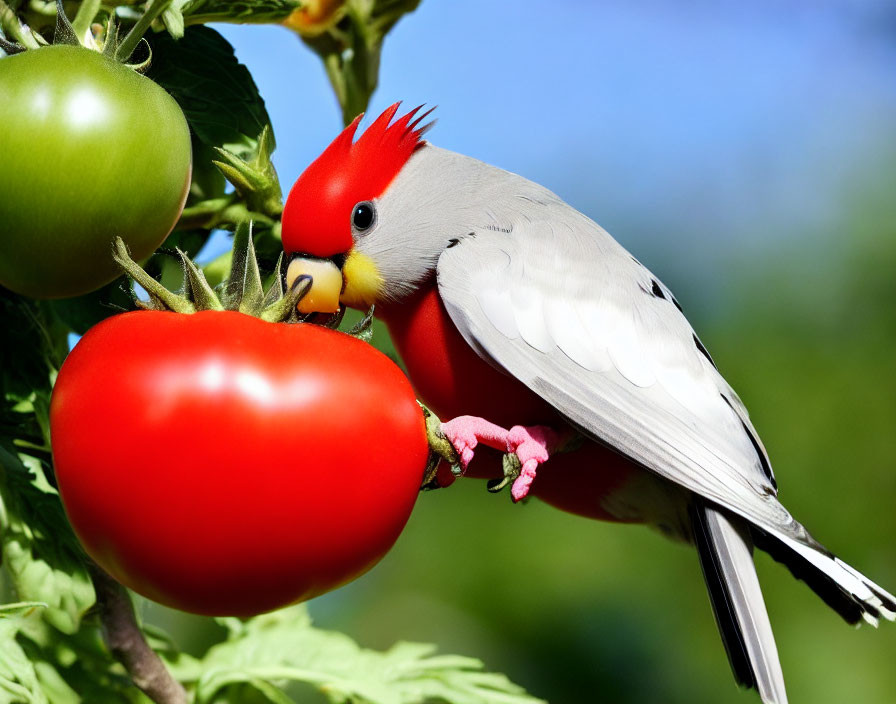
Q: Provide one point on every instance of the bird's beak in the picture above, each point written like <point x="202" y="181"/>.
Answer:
<point x="326" y="283"/>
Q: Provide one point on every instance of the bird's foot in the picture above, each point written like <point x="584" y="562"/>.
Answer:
<point x="466" y="432"/>
<point x="526" y="446"/>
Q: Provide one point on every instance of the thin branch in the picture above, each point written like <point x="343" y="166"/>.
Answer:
<point x="85" y="16"/>
<point x="130" y="42"/>
<point x="126" y="642"/>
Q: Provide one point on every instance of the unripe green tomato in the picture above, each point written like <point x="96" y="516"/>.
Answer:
<point x="89" y="149"/>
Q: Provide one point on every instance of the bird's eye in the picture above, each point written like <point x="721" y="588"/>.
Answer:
<point x="363" y="216"/>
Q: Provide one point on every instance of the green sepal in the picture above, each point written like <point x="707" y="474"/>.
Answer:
<point x="110" y="38"/>
<point x="284" y="310"/>
<point x="160" y="297"/>
<point x="196" y="287"/>
<point x="243" y="290"/>
<point x="64" y="33"/>
<point x="440" y="448"/>
<point x="511" y="468"/>
<point x="9" y="47"/>
<point x="363" y="329"/>
<point x="275" y="291"/>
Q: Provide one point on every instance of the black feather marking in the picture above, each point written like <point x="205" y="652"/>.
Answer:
<point x="888" y="603"/>
<point x="453" y="242"/>
<point x="827" y="588"/>
<point x="656" y="290"/>
<point x="720" y="598"/>
<point x="677" y="304"/>
<point x="763" y="460"/>
<point x="703" y="350"/>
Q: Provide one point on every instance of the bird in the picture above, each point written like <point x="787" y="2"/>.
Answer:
<point x="532" y="331"/>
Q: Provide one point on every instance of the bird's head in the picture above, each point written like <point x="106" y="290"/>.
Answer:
<point x="333" y="221"/>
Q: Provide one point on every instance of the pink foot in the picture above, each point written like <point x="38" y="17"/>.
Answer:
<point x="466" y="432"/>
<point x="532" y="445"/>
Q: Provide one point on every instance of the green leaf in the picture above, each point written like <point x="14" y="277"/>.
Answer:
<point x="40" y="552"/>
<point x="83" y="312"/>
<point x="283" y="646"/>
<point x="19" y="682"/>
<point x="240" y="11"/>
<point x="39" y="345"/>
<point x="215" y="91"/>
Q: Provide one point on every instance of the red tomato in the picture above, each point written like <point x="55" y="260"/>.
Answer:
<point x="220" y="464"/>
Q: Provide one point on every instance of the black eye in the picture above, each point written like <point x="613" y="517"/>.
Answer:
<point x="363" y="216"/>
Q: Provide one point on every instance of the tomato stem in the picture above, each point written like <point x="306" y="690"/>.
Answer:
<point x="84" y="17"/>
<point x="130" y="42"/>
<point x="127" y="644"/>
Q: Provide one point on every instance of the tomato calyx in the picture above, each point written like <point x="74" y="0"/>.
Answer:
<point x="84" y="32"/>
<point x="242" y="291"/>
<point x="440" y="450"/>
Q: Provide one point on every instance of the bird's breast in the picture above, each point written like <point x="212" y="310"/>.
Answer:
<point x="452" y="380"/>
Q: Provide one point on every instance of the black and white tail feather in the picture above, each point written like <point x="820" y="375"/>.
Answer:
<point x="725" y="546"/>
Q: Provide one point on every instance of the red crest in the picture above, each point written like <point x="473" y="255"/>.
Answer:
<point x="317" y="215"/>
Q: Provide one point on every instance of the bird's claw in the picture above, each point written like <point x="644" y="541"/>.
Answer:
<point x="440" y="449"/>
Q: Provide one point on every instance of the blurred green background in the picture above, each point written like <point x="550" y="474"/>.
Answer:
<point x="745" y="155"/>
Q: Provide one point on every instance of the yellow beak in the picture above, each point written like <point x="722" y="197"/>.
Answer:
<point x="326" y="284"/>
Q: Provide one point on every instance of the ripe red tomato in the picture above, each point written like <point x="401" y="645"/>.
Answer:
<point x="220" y="464"/>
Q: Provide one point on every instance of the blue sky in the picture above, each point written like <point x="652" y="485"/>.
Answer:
<point x="694" y="130"/>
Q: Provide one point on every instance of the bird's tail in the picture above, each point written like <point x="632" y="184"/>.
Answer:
<point x="726" y="556"/>
<point x="846" y="590"/>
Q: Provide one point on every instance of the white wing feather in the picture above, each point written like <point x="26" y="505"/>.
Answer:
<point x="569" y="312"/>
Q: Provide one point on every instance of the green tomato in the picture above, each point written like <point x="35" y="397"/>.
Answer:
<point x="89" y="149"/>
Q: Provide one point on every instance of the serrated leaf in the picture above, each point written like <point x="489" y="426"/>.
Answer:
<point x="25" y="365"/>
<point x="240" y="11"/>
<point x="215" y="91"/>
<point x="83" y="312"/>
<point x="19" y="682"/>
<point x="283" y="646"/>
<point x="40" y="552"/>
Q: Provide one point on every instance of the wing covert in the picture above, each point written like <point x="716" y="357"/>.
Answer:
<point x="565" y="309"/>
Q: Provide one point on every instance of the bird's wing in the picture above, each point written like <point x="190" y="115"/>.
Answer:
<point x="565" y="309"/>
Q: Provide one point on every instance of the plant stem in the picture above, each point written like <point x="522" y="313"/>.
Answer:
<point x="126" y="642"/>
<point x="130" y="42"/>
<point x="85" y="16"/>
